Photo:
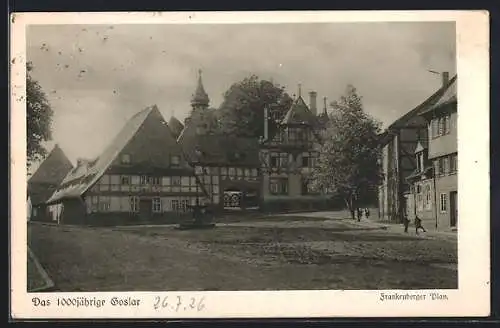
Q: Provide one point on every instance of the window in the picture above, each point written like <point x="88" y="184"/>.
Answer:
<point x="254" y="173"/>
<point x="440" y="166"/>
<point x="134" y="204"/>
<point x="278" y="186"/>
<point x="420" y="200"/>
<point x="125" y="180"/>
<point x="104" y="204"/>
<point x="428" y="197"/>
<point x="453" y="163"/>
<point x="176" y="181"/>
<point x="305" y="160"/>
<point x="184" y="204"/>
<point x="156" y="181"/>
<point x="231" y="172"/>
<point x="175" y="205"/>
<point x="434" y="128"/>
<point x="157" y="205"/>
<point x="175" y="161"/>
<point x="419" y="163"/>
<point x="179" y="205"/>
<point x="308" y="187"/>
<point x="444" y="203"/>
<point x="125" y="159"/>
<point x="94" y="203"/>
<point x="274" y="160"/>
<point x="144" y="180"/>
<point x="440" y="126"/>
<point x="239" y="172"/>
<point x="223" y="171"/>
<point x="446" y="165"/>
<point x="446" y="124"/>
<point x="283" y="160"/>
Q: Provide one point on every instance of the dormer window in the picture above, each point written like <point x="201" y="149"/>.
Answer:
<point x="420" y="162"/>
<point x="125" y="159"/>
<point x="175" y="161"/>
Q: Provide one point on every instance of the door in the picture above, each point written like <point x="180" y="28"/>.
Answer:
<point x="453" y="209"/>
<point x="145" y="208"/>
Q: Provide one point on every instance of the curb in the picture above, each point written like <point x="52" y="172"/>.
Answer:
<point x="49" y="284"/>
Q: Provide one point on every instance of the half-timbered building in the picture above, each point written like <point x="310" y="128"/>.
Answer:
<point x="434" y="193"/>
<point x="288" y="156"/>
<point x="141" y="176"/>
<point x="399" y="142"/>
<point x="227" y="167"/>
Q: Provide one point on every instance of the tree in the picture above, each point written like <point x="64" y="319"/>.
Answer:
<point x="242" y="111"/>
<point x="348" y="162"/>
<point x="38" y="116"/>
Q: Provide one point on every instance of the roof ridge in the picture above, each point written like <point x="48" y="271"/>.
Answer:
<point x="109" y="154"/>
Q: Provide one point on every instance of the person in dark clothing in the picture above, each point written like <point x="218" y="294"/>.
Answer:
<point x="406" y="222"/>
<point x="367" y="213"/>
<point x="359" y="213"/>
<point x="418" y="225"/>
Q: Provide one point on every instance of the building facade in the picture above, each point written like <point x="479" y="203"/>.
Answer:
<point x="399" y="142"/>
<point x="434" y="190"/>
<point x="141" y="176"/>
<point x="227" y="167"/>
<point x="288" y="155"/>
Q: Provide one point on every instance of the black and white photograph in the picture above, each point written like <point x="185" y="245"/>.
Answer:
<point x="293" y="156"/>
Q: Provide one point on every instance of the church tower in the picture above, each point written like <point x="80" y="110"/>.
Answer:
<point x="200" y="98"/>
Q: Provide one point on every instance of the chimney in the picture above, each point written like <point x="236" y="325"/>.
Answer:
<point x="82" y="162"/>
<point x="312" y="102"/>
<point x="324" y="106"/>
<point x="266" y="123"/>
<point x="446" y="78"/>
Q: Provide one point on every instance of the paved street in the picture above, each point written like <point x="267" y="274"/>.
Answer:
<point x="258" y="255"/>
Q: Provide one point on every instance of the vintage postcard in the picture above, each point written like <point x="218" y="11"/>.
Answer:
<point x="249" y="164"/>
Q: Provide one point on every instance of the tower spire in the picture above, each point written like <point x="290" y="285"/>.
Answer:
<point x="324" y="106"/>
<point x="300" y="90"/>
<point x="200" y="98"/>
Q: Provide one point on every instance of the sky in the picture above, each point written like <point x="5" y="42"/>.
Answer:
<point x="98" y="76"/>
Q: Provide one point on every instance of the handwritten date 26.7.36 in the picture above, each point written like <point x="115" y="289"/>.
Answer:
<point x="179" y="303"/>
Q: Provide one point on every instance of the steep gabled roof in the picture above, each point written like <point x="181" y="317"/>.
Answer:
<point x="175" y="126"/>
<point x="53" y="169"/>
<point x="447" y="97"/>
<point x="421" y="146"/>
<point x="80" y="179"/>
<point x="299" y="113"/>
<point x="48" y="176"/>
<point x="423" y="107"/>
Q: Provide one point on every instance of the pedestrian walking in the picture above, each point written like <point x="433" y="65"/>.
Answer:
<point x="360" y="213"/>
<point x="418" y="225"/>
<point x="367" y="213"/>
